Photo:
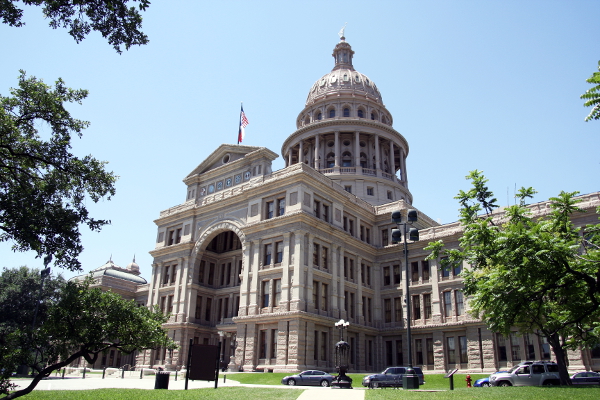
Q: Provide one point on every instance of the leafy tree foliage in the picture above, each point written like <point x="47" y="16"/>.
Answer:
<point x="540" y="275"/>
<point x="43" y="186"/>
<point x="20" y="292"/>
<point x="116" y="21"/>
<point x="592" y="96"/>
<point x="84" y="322"/>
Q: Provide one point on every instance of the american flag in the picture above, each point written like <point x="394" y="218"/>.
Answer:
<point x="243" y="123"/>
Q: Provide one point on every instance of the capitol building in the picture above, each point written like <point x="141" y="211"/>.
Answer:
<point x="266" y="261"/>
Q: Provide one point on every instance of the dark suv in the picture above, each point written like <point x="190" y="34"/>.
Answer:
<point x="391" y="377"/>
<point x="528" y="373"/>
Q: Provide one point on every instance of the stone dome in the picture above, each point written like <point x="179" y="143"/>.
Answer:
<point x="343" y="79"/>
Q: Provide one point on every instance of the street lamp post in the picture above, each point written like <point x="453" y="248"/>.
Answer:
<point x="409" y="379"/>
<point x="342" y="359"/>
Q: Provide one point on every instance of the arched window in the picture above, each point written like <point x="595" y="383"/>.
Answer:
<point x="330" y="160"/>
<point x="319" y="116"/>
<point x="374" y="116"/>
<point x="347" y="159"/>
<point x="346" y="112"/>
<point x="363" y="160"/>
<point x="361" y="114"/>
<point x="306" y="120"/>
<point x="332" y="113"/>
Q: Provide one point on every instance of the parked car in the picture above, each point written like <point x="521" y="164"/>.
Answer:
<point x="391" y="377"/>
<point x="585" y="378"/>
<point x="528" y="373"/>
<point x="309" y="378"/>
<point x="485" y="382"/>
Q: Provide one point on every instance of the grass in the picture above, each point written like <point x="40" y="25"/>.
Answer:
<point x="508" y="393"/>
<point x="224" y="393"/>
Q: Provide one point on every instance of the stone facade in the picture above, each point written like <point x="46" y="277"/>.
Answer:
<point x="267" y="261"/>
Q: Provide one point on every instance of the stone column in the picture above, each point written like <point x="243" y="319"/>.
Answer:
<point x="377" y="155"/>
<point x="317" y="152"/>
<point x="301" y="151"/>
<point x="337" y="149"/>
<point x="357" y="149"/>
<point x="285" y="275"/>
<point x="156" y="271"/>
<point x="255" y="282"/>
<point x="298" y="302"/>
<point x="392" y="160"/>
<point x="436" y="304"/>
<point x="309" y="278"/>
<point x="403" y="166"/>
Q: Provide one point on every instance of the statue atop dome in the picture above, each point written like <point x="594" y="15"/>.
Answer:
<point x="341" y="33"/>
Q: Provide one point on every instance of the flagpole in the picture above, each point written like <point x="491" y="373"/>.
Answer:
<point x="240" y="126"/>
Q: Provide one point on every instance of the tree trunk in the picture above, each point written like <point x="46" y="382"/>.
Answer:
<point x="43" y="374"/>
<point x="561" y="359"/>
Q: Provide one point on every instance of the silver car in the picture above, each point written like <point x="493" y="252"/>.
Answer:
<point x="535" y="373"/>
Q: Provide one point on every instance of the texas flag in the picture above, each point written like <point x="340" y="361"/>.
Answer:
<point x="243" y="123"/>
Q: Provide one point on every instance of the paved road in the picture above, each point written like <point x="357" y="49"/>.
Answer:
<point x="96" y="382"/>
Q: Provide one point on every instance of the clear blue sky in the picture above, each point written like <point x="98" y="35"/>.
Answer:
<point x="489" y="85"/>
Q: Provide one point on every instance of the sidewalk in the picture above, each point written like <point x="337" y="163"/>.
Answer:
<point x="94" y="382"/>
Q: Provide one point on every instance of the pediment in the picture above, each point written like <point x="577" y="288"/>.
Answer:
<point x="224" y="154"/>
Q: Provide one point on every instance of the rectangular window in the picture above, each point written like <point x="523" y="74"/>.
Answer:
<point x="273" y="343"/>
<point x="351" y="269"/>
<point x="201" y="271"/>
<point x="166" y="276"/>
<point x="425" y="269"/>
<point x="399" y="354"/>
<point x="171" y="238"/>
<point x="352" y="304"/>
<point x="222" y="275"/>
<point x="228" y="275"/>
<point x="325" y="213"/>
<point x="219" y="308"/>
<point x="387" y="305"/>
<point x="348" y="189"/>
<point x="545" y="349"/>
<point x="268" y="253"/>
<point x="323" y="346"/>
<point x="398" y="309"/>
<point x="317" y="208"/>
<point x="178" y="236"/>
<point x="389" y="195"/>
<point x="362" y="233"/>
<point x="211" y="274"/>
<point x="315" y="294"/>
<point x="462" y="348"/>
<point x="416" y="303"/>
<point x="198" y="307"/>
<point x="265" y="293"/>
<point x="515" y="348"/>
<point x="269" y="209"/>
<point x="529" y="347"/>
<point x="345" y="219"/>
<point x="448" y="304"/>
<point x="445" y="271"/>
<point x="385" y="238"/>
<point x="208" y="309"/>
<point x="280" y="207"/>
<point x="368" y="235"/>
<point x="427" y="305"/>
<point x="316" y="257"/>
<point x="263" y="344"/>
<point x="346" y="267"/>
<point x="386" y="276"/>
<point x="225" y="307"/>
<point x="163" y="302"/>
<point x="316" y="346"/>
<point x="369" y="309"/>
<point x="278" y="252"/>
<point x="457" y="270"/>
<point x="369" y="191"/>
<point x="323" y="297"/>
<point x="501" y="344"/>
<point x="170" y="304"/>
<point x="346" y="300"/>
<point x="460" y="307"/>
<point x="276" y="292"/>
<point x="325" y="257"/>
<point x="429" y="348"/>
<point x="397" y="274"/>
<point x="368" y="275"/>
<point x="414" y="267"/>
<point x="389" y="353"/>
<point x="419" y="351"/>
<point x="351" y="227"/>
<point x="451" y="349"/>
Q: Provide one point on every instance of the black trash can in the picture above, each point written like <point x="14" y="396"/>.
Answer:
<point x="162" y="380"/>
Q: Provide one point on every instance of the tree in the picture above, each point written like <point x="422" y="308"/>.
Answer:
<point x="592" y="96"/>
<point x="20" y="294"/>
<point x="539" y="275"/>
<point x="43" y="174"/>
<point x="113" y="19"/>
<point x="85" y="322"/>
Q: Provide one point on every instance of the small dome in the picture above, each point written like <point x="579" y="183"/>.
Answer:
<point x="343" y="78"/>
<point x="133" y="267"/>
